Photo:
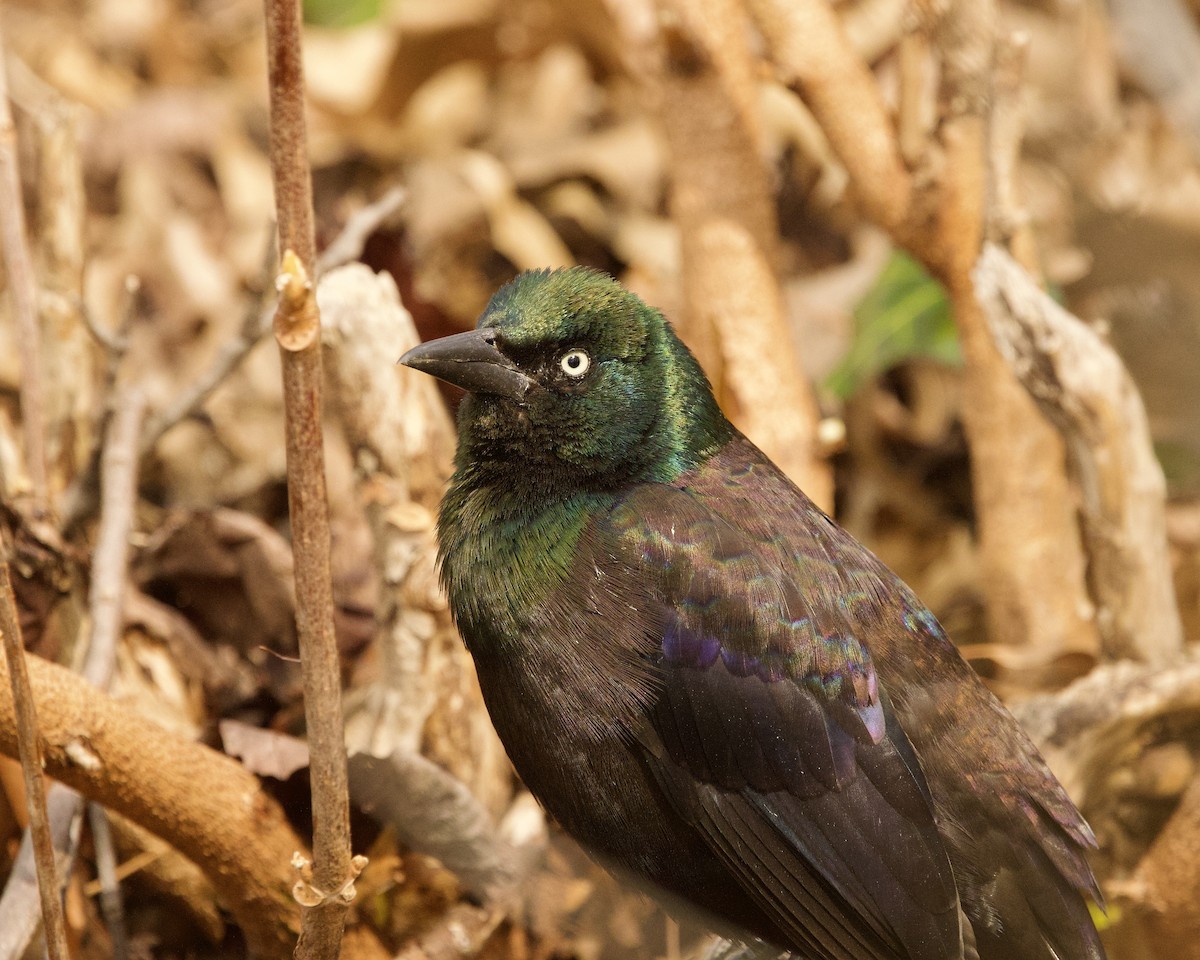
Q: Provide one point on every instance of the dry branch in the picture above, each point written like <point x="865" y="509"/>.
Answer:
<point x="721" y="200"/>
<point x="112" y="905"/>
<point x="230" y="828"/>
<point x="1030" y="549"/>
<point x="1029" y="545"/>
<point x="110" y="562"/>
<point x="253" y="327"/>
<point x="298" y="332"/>
<point x="811" y="49"/>
<point x="297" y="326"/>
<point x="1081" y="384"/>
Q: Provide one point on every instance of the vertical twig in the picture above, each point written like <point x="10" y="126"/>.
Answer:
<point x="110" y="561"/>
<point x="297" y="329"/>
<point x="24" y="294"/>
<point x="30" y="748"/>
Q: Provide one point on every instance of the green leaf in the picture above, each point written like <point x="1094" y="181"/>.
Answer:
<point x="905" y="314"/>
<point x="341" y="13"/>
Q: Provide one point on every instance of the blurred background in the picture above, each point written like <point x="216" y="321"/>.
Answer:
<point x="455" y="143"/>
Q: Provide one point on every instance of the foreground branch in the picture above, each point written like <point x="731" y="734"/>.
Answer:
<point x="298" y="332"/>
<point x="205" y="804"/>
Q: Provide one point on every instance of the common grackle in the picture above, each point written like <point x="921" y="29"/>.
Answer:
<point x="708" y="682"/>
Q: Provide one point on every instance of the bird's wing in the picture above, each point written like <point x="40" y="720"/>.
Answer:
<point x="773" y="736"/>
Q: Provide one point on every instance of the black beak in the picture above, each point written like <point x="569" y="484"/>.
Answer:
<point x="470" y="360"/>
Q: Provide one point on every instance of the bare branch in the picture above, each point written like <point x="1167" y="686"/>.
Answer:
<point x="231" y="829"/>
<point x="721" y="199"/>
<point x="297" y="328"/>
<point x="348" y="245"/>
<point x="810" y="47"/>
<point x="253" y="327"/>
<point x="110" y="562"/>
<point x="1081" y="384"/>
<point x="298" y="332"/>
<point x="111" y="904"/>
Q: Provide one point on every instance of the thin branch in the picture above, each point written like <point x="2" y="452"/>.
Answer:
<point x="298" y="332"/>
<point x="110" y="562"/>
<point x="29" y="749"/>
<point x="79" y="502"/>
<point x="23" y="284"/>
<point x="255" y="323"/>
<point x="348" y="245"/>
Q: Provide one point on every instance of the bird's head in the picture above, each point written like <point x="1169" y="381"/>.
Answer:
<point x="577" y="379"/>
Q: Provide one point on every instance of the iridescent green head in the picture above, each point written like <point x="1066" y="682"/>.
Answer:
<point x="573" y="378"/>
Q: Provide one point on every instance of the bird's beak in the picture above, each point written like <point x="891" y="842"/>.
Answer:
<point x="470" y="360"/>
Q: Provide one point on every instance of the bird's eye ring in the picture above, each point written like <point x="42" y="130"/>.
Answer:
<point x="575" y="363"/>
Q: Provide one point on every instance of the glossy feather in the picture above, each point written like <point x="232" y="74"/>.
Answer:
<point x="713" y="686"/>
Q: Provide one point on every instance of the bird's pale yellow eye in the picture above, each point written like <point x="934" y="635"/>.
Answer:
<point x="575" y="363"/>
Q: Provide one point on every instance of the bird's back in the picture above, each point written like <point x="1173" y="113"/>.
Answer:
<point x="1013" y="836"/>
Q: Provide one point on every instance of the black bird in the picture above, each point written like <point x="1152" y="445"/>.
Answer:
<point x="708" y="682"/>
